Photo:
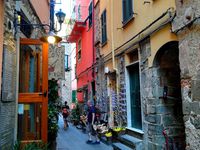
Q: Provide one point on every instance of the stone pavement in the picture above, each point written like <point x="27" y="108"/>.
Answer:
<point x="74" y="139"/>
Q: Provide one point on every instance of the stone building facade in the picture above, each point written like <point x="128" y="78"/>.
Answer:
<point x="10" y="58"/>
<point x="8" y="115"/>
<point x="101" y="80"/>
<point x="143" y="82"/>
<point x="187" y="27"/>
<point x="8" y="108"/>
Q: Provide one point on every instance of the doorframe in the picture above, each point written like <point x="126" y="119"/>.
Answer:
<point x="38" y="97"/>
<point x="128" y="102"/>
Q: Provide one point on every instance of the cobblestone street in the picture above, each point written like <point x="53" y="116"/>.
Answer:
<point x="74" y="139"/>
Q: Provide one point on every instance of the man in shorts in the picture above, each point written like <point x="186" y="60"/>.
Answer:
<point x="90" y="122"/>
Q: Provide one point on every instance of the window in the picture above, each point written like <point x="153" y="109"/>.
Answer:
<point x="103" y="27"/>
<point x="127" y="8"/>
<point x="79" y="49"/>
<point x="90" y="15"/>
<point x="67" y="62"/>
<point x="79" y="12"/>
<point x="26" y="28"/>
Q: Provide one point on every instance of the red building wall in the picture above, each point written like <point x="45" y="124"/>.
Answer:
<point x="84" y="68"/>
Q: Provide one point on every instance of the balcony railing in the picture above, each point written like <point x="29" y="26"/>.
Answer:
<point x="77" y="22"/>
<point x="79" y="14"/>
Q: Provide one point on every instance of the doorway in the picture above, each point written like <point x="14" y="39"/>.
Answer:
<point x="135" y="102"/>
<point x="33" y="89"/>
<point x="169" y="106"/>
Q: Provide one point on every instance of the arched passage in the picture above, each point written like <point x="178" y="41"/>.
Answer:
<point x="169" y="106"/>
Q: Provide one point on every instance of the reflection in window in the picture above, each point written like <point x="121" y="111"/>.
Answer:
<point x="29" y="121"/>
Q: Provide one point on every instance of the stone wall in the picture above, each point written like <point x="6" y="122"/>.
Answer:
<point x="97" y="24"/>
<point x="161" y="114"/>
<point x="187" y="28"/>
<point x="122" y="91"/>
<point x="8" y="109"/>
<point x="56" y="62"/>
<point x="101" y="79"/>
<point x="101" y="87"/>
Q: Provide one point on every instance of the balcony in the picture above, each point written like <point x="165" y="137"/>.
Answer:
<point x="77" y="23"/>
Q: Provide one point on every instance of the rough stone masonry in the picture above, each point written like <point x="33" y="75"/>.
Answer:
<point x="187" y="27"/>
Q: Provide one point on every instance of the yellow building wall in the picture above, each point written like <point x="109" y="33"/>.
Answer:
<point x="106" y="4"/>
<point x="158" y="40"/>
<point x="145" y="14"/>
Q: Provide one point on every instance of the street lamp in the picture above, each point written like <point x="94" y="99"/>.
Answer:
<point x="51" y="37"/>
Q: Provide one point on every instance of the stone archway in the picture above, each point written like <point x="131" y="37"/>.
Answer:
<point x="169" y="106"/>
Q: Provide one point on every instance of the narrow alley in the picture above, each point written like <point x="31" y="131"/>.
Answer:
<point x="74" y="139"/>
<point x="127" y="69"/>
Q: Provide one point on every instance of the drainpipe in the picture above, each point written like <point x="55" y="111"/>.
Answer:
<point x="113" y="57"/>
<point x="93" y="48"/>
<point x="17" y="7"/>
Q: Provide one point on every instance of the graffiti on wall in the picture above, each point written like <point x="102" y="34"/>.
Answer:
<point x="56" y="62"/>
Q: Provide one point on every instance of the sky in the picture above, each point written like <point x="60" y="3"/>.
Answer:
<point x="66" y="6"/>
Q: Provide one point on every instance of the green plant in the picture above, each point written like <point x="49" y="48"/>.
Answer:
<point x="54" y="107"/>
<point x="30" y="146"/>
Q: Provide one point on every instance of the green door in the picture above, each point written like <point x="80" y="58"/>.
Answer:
<point x="136" y="120"/>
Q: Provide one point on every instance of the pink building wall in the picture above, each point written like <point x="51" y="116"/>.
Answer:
<point x="42" y="10"/>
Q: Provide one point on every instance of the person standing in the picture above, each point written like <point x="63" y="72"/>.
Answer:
<point x="65" y="114"/>
<point x="91" y="118"/>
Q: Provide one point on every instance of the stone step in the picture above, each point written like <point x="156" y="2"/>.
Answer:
<point x="105" y="140"/>
<point x="131" y="141"/>
<point x="120" y="146"/>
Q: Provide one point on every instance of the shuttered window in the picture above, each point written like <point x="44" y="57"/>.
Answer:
<point x="103" y="27"/>
<point x="127" y="8"/>
<point x="79" y="49"/>
<point x="90" y="15"/>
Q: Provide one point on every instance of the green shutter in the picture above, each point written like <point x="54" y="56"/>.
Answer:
<point x="127" y="10"/>
<point x="103" y="24"/>
<point x="90" y="14"/>
<point x="73" y="96"/>
<point x="124" y="9"/>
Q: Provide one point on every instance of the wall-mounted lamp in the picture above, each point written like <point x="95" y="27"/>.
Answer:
<point x="51" y="37"/>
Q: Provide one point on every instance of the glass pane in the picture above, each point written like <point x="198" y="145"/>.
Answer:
<point x="30" y="71"/>
<point x="29" y="121"/>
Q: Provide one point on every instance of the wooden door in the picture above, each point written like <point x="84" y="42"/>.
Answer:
<point x="136" y="120"/>
<point x="33" y="89"/>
